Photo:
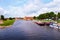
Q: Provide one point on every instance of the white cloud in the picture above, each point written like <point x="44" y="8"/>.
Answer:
<point x="3" y="11"/>
<point x="33" y="7"/>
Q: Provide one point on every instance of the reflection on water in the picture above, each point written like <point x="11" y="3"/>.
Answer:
<point x="27" y="30"/>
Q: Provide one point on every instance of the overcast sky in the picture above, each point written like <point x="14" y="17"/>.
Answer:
<point x="21" y="8"/>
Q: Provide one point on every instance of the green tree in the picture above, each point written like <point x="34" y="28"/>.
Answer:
<point x="2" y="17"/>
<point x="53" y="15"/>
<point x="34" y="17"/>
<point x="58" y="15"/>
<point x="48" y="15"/>
<point x="10" y="18"/>
<point x="42" y="16"/>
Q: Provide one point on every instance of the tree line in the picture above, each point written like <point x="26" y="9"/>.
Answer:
<point x="48" y="15"/>
<point x="3" y="18"/>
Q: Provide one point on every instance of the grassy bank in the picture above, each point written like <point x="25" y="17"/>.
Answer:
<point x="48" y="21"/>
<point x="45" y="20"/>
<point x="58" y="21"/>
<point x="7" y="22"/>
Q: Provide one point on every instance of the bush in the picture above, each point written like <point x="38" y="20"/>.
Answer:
<point x="2" y="17"/>
<point x="7" y="22"/>
<point x="10" y="18"/>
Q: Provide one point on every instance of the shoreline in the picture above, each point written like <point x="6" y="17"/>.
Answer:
<point x="2" y="27"/>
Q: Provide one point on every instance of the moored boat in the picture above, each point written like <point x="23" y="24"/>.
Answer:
<point x="54" y="25"/>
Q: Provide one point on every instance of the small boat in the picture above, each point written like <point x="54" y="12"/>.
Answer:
<point x="53" y="25"/>
<point x="43" y="23"/>
<point x="47" y="23"/>
<point x="40" y="23"/>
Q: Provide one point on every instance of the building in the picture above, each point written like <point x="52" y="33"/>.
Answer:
<point x="28" y="18"/>
<point x="17" y="18"/>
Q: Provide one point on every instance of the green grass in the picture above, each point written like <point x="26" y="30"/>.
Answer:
<point x="45" y="20"/>
<point x="7" y="22"/>
<point x="58" y="21"/>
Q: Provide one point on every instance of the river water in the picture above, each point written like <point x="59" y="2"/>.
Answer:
<point x="28" y="30"/>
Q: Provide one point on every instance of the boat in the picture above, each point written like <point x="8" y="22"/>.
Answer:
<point x="47" y="23"/>
<point x="43" y="23"/>
<point x="53" y="25"/>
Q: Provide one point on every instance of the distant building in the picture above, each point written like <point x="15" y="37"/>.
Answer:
<point x="17" y="18"/>
<point x="28" y="18"/>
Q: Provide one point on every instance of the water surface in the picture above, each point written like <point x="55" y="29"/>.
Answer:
<point x="28" y="30"/>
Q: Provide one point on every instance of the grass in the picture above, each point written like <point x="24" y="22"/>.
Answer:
<point x="58" y="21"/>
<point x="48" y="21"/>
<point x="45" y="20"/>
<point x="7" y="22"/>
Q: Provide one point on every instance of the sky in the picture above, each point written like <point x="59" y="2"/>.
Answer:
<point x="22" y="8"/>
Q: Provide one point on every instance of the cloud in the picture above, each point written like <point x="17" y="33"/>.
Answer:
<point x="3" y="11"/>
<point x="30" y="8"/>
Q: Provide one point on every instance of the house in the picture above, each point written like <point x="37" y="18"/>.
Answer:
<point x="28" y="18"/>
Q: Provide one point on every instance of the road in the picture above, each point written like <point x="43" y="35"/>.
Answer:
<point x="28" y="30"/>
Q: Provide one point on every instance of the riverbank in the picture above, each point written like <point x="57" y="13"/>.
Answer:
<point x="7" y="23"/>
<point x="2" y="27"/>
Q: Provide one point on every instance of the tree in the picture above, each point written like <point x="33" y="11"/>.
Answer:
<point x="34" y="17"/>
<point x="2" y="17"/>
<point x="10" y="18"/>
<point x="58" y="15"/>
<point x="51" y="14"/>
<point x="48" y="15"/>
<point x="42" y="16"/>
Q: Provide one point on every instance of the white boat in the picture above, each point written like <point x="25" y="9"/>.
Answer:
<point x="54" y="25"/>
